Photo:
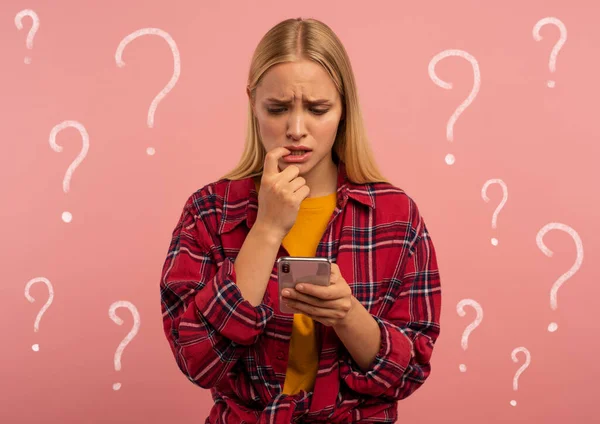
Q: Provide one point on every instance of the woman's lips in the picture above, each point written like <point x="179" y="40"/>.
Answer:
<point x="297" y="158"/>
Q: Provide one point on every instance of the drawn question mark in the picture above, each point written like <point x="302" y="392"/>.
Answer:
<point x="558" y="283"/>
<point x="176" y="68"/>
<point x="34" y="27"/>
<point x="36" y="325"/>
<point x="450" y="159"/>
<point x="461" y="311"/>
<point x="500" y="206"/>
<point x="561" y="41"/>
<point x="66" y="216"/>
<point x="520" y="370"/>
<point x="136" y="326"/>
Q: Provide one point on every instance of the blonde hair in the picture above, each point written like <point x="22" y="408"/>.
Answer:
<point x="296" y="39"/>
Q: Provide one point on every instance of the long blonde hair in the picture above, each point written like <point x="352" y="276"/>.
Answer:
<point x="296" y="39"/>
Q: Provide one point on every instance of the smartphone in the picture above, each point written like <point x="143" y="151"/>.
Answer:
<point x="292" y="270"/>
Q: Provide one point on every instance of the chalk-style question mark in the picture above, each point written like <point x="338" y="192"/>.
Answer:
<point x="520" y="370"/>
<point x="540" y="242"/>
<point x="34" y="27"/>
<point x="66" y="216"/>
<point x="176" y="68"/>
<point x="561" y="41"/>
<point x="500" y="206"/>
<point x="136" y="326"/>
<point x="461" y="311"/>
<point x="447" y="85"/>
<point x="36" y="325"/>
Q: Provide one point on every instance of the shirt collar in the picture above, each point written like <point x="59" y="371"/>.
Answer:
<point x="241" y="199"/>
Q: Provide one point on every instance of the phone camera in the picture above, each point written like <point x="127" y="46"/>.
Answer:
<point x="285" y="267"/>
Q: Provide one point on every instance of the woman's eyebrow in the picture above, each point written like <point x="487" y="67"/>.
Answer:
<point x="287" y="102"/>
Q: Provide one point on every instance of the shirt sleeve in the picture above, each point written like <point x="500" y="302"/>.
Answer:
<point x="408" y="330"/>
<point x="207" y="322"/>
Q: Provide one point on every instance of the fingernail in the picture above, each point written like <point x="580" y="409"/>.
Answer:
<point x="286" y="292"/>
<point x="299" y="286"/>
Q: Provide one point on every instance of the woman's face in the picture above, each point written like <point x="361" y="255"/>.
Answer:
<point x="297" y="104"/>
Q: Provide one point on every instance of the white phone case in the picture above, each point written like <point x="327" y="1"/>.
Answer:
<point x="311" y="270"/>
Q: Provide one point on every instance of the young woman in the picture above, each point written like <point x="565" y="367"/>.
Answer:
<point x="352" y="349"/>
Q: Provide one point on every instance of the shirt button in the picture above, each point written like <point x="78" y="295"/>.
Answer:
<point x="280" y="355"/>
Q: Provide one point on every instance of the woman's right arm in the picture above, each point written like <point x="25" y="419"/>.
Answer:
<point x="206" y="320"/>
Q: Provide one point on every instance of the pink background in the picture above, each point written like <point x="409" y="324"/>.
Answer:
<point x="542" y="142"/>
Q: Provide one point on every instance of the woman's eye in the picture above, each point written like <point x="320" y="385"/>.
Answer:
<point x="315" y="111"/>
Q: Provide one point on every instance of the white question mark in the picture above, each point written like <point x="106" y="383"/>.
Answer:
<point x="176" y="68"/>
<point x="136" y="326"/>
<point x="500" y="206"/>
<point x="520" y="370"/>
<point x="36" y="325"/>
<point x="66" y="216"/>
<point x="34" y="27"/>
<point x="476" y="84"/>
<point x="461" y="311"/>
<point x="561" y="41"/>
<point x="540" y="242"/>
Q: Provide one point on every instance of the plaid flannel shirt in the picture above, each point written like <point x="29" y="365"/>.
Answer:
<point x="221" y="342"/>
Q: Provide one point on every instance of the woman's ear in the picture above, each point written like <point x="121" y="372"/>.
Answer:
<point x="248" y="93"/>
<point x="252" y="103"/>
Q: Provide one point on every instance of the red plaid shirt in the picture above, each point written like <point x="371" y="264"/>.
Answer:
<point x="238" y="351"/>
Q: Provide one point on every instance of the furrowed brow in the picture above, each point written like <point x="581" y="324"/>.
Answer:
<point x="287" y="102"/>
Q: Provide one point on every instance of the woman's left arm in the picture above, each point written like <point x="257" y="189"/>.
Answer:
<point x="399" y="353"/>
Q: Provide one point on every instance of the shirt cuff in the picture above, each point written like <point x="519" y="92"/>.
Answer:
<point x="388" y="366"/>
<point x="221" y="303"/>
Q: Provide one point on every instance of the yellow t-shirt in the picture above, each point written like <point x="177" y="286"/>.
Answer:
<point x="302" y="240"/>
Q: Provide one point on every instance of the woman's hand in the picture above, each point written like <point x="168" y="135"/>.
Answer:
<point x="330" y="305"/>
<point x="280" y="194"/>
